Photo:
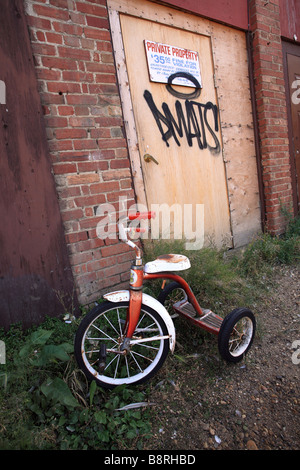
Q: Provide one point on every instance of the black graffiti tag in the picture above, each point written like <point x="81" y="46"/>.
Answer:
<point x="194" y="123"/>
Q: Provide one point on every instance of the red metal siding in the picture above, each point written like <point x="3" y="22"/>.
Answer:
<point x="290" y="19"/>
<point x="34" y="263"/>
<point x="231" y="12"/>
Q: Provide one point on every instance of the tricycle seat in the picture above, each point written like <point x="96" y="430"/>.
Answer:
<point x="168" y="263"/>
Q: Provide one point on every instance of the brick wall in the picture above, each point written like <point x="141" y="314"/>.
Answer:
<point x="271" y="110"/>
<point x="76" y="76"/>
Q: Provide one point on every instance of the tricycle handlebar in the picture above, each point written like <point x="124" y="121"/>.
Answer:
<point x="142" y="215"/>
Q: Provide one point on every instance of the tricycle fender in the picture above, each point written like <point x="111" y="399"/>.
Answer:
<point x="124" y="295"/>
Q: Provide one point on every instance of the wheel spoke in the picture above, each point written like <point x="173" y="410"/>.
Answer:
<point x="113" y="359"/>
<point x="141" y="355"/>
<point x="128" y="374"/>
<point x="116" y="369"/>
<point x="110" y="324"/>
<point x="103" y="332"/>
<point x="148" y="346"/>
<point x="132" y="355"/>
<point x="119" y="322"/>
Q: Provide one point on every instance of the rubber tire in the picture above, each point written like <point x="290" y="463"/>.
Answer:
<point x="85" y="324"/>
<point x="167" y="291"/>
<point x="226" y="329"/>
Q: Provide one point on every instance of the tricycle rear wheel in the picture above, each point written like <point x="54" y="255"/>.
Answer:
<point x="236" y="334"/>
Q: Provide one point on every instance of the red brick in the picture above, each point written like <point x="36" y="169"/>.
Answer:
<point x="68" y="192"/>
<point x="112" y="143"/>
<point x="78" y="76"/>
<point x="36" y="22"/>
<point x="83" y="178"/>
<point x="86" y="278"/>
<point x="47" y="74"/>
<point x="59" y="3"/>
<point x="120" y="163"/>
<point x="76" y="17"/>
<point x="89" y="222"/>
<point x="105" y="78"/>
<point x="73" y="53"/>
<point x="51" y="12"/>
<point x="56" y="121"/>
<point x="43" y="49"/>
<point x="105" y="187"/>
<point x="65" y="110"/>
<point x="82" y="99"/>
<point x="40" y="36"/>
<point x="70" y="133"/>
<point x="116" y="174"/>
<point x="59" y="63"/>
<point x="91" y="9"/>
<point x="128" y="194"/>
<point x="101" y="133"/>
<point x="64" y="168"/>
<point x="117" y="269"/>
<point x="92" y="166"/>
<point x="98" y="89"/>
<point x="76" y="237"/>
<point x="81" y="144"/>
<point x="90" y="200"/>
<point x="72" y="41"/>
<point x="97" y="22"/>
<point x="114" y="249"/>
<point x="58" y="145"/>
<point x="82" y="111"/>
<point x="81" y="122"/>
<point x="54" y="38"/>
<point x="71" y="215"/>
<point x="68" y="28"/>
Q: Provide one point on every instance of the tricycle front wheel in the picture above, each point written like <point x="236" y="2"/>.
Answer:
<point x="236" y="334"/>
<point x="98" y="345"/>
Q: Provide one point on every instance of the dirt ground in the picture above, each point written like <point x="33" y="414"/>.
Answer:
<point x="200" y="402"/>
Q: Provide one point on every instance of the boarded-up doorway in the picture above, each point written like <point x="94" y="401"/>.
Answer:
<point x="181" y="132"/>
<point x="187" y="148"/>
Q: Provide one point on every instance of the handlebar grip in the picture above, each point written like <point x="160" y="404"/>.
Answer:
<point x="142" y="215"/>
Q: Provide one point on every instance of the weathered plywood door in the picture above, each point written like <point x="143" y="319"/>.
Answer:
<point x="178" y="127"/>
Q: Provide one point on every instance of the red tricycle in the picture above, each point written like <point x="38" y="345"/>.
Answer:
<point x="126" y="338"/>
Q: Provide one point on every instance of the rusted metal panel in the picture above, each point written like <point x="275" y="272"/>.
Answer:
<point x="291" y="63"/>
<point x="34" y="263"/>
<point x="289" y="19"/>
<point x="231" y="12"/>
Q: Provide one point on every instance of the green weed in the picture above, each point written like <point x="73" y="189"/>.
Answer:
<point x="48" y="404"/>
<point x="267" y="251"/>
